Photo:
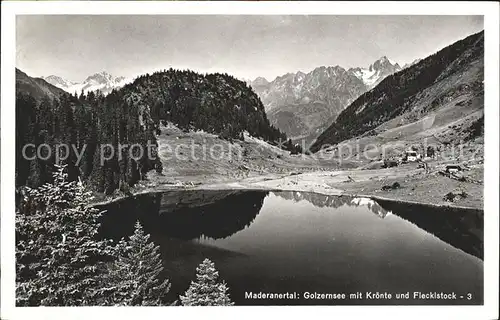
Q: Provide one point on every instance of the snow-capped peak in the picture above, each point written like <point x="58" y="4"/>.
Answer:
<point x="383" y="62"/>
<point x="384" y="59"/>
<point x="376" y="72"/>
<point x="59" y="81"/>
<point x="102" y="81"/>
<point x="101" y="77"/>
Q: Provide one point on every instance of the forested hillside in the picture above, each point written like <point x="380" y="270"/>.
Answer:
<point x="416" y="90"/>
<point x="83" y="124"/>
<point x="36" y="87"/>
<point x="216" y="103"/>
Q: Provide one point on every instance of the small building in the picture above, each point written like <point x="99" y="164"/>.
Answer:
<point x="452" y="168"/>
<point x="411" y="156"/>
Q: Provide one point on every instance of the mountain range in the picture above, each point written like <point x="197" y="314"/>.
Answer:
<point x="101" y="81"/>
<point x="304" y="104"/>
<point x="440" y="97"/>
<point x="299" y="104"/>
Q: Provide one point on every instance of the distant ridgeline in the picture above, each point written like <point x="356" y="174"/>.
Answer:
<point x="399" y="93"/>
<point x="216" y="103"/>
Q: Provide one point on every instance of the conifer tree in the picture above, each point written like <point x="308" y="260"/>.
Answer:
<point x="206" y="290"/>
<point x="134" y="274"/>
<point x="57" y="254"/>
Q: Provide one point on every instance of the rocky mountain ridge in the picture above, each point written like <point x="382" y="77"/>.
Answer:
<point x="304" y="104"/>
<point x="102" y="81"/>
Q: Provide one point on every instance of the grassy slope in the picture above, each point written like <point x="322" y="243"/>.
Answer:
<point x="258" y="158"/>
<point x="449" y="121"/>
<point x="413" y="93"/>
<point x="267" y="167"/>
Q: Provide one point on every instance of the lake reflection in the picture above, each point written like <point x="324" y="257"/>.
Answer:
<point x="297" y="242"/>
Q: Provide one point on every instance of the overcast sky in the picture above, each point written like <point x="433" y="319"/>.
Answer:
<point x="75" y="47"/>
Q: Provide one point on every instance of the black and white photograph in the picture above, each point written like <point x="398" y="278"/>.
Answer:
<point x="235" y="158"/>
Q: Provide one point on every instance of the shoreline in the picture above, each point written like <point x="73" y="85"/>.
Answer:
<point x="411" y="202"/>
<point x="228" y="187"/>
<point x="266" y="168"/>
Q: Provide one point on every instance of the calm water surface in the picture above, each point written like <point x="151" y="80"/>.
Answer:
<point x="279" y="242"/>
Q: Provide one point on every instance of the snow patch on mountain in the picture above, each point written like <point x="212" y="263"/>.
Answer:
<point x="304" y="104"/>
<point x="101" y="81"/>
<point x="369" y="77"/>
<point x="376" y="72"/>
<point x="411" y="63"/>
<point x="59" y="81"/>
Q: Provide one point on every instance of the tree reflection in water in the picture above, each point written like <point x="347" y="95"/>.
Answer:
<point x="461" y="228"/>
<point x="322" y="200"/>
<point x="184" y="214"/>
<point x="217" y="214"/>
